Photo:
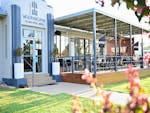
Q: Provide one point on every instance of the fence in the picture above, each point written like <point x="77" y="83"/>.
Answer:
<point x="103" y="63"/>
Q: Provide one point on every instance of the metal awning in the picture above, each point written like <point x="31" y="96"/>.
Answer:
<point x="104" y="23"/>
<point x="2" y="13"/>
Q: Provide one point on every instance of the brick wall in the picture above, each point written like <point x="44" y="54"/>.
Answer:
<point x="120" y="44"/>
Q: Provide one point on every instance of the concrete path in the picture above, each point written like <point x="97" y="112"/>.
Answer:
<point x="61" y="87"/>
<point x="81" y="90"/>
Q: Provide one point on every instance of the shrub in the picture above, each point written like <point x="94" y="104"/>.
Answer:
<point x="19" y="51"/>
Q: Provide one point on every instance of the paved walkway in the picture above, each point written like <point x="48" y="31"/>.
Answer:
<point x="81" y="90"/>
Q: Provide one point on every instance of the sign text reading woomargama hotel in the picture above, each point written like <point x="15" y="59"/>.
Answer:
<point x="37" y="21"/>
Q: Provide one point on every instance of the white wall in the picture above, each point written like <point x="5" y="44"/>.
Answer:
<point x="6" y="41"/>
<point x="0" y="3"/>
<point x="0" y="49"/>
<point x="5" y="49"/>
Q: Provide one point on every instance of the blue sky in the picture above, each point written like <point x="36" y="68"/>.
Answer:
<point x="63" y="7"/>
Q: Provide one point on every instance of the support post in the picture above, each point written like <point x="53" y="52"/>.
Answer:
<point x="16" y="33"/>
<point x="72" y="65"/>
<point x="130" y="43"/>
<point x="60" y="44"/>
<point x="84" y="54"/>
<point x="94" y="41"/>
<point x="50" y="40"/>
<point x="115" y="43"/>
<point x="142" y="62"/>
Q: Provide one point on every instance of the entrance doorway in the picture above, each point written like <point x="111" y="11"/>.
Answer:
<point x="32" y="45"/>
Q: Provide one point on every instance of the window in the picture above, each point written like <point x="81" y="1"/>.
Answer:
<point x="28" y="33"/>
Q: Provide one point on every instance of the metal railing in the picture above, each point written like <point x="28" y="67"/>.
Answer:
<point x="103" y="63"/>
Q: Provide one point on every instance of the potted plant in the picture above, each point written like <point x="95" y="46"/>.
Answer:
<point x="19" y="65"/>
<point x="19" y="53"/>
<point x="55" y="51"/>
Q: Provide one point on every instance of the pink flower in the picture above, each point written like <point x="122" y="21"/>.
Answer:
<point x="147" y="57"/>
<point x="88" y="77"/>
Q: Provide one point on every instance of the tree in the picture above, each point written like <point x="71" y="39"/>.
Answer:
<point x="140" y="7"/>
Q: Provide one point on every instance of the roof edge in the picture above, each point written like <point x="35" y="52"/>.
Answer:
<point x="101" y="12"/>
<point x="75" y="14"/>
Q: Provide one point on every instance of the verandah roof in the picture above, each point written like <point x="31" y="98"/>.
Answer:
<point x="104" y="23"/>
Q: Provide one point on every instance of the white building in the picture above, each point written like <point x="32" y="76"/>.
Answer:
<point x="27" y="24"/>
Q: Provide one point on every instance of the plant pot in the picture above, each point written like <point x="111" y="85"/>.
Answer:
<point x="18" y="70"/>
<point x="56" y="71"/>
<point x="55" y="68"/>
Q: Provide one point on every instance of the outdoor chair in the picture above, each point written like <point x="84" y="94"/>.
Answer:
<point x="61" y="64"/>
<point x="68" y="64"/>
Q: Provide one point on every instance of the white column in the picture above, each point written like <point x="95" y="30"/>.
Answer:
<point x="71" y="47"/>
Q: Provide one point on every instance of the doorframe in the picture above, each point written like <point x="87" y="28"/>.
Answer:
<point x="43" y="39"/>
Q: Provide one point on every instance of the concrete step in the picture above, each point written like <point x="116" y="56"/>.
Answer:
<point x="39" y="79"/>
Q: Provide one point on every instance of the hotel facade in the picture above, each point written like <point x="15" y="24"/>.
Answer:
<point x="28" y="25"/>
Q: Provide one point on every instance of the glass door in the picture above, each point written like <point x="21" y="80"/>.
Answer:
<point x="28" y="55"/>
<point x="33" y="53"/>
<point x="81" y="47"/>
<point x="38" y="53"/>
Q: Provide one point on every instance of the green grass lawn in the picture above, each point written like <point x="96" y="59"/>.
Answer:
<point x="122" y="86"/>
<point x="26" y="101"/>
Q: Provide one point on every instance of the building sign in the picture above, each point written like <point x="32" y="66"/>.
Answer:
<point x="34" y="21"/>
<point x="34" y="8"/>
<point x="33" y="18"/>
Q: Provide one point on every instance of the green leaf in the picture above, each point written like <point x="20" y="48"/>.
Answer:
<point x="141" y="2"/>
<point x="146" y="11"/>
<point x="130" y="3"/>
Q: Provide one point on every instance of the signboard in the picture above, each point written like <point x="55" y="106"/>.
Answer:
<point x="36" y="59"/>
<point x="32" y="15"/>
<point x="33" y="20"/>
